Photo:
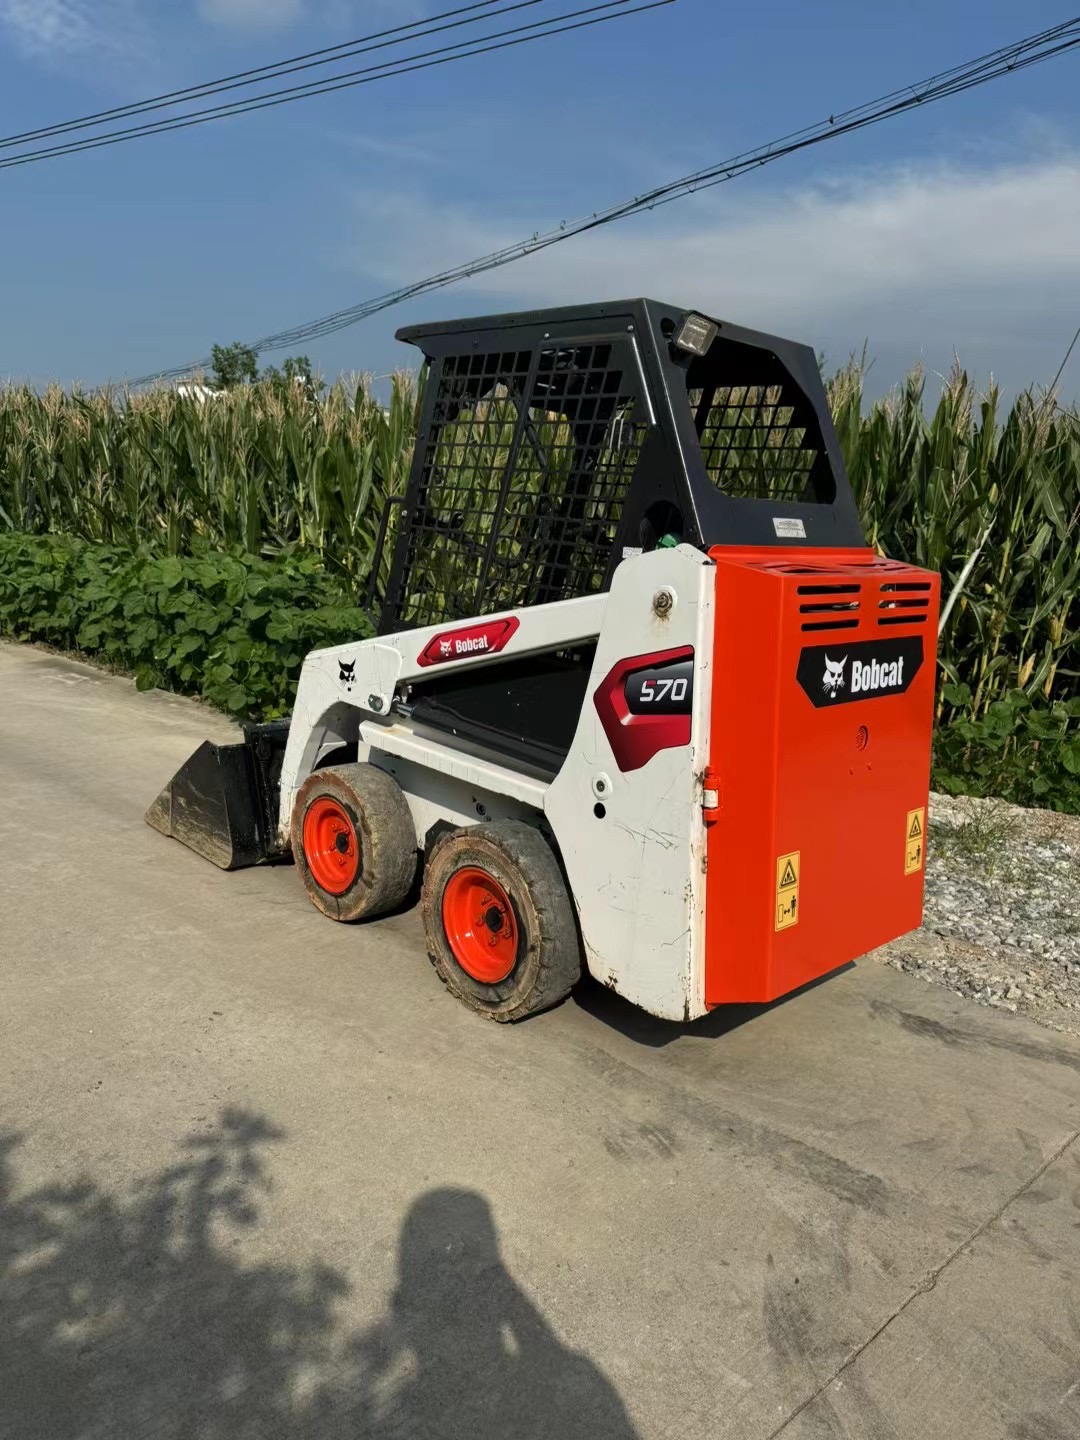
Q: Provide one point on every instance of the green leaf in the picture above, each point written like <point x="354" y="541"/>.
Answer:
<point x="171" y="572"/>
<point x="280" y="628"/>
<point x="958" y="695"/>
<point x="237" y="698"/>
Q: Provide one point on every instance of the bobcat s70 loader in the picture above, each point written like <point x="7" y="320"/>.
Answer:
<point x="641" y="697"/>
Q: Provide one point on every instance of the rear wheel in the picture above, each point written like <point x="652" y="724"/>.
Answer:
<point x="499" y="922"/>
<point x="353" y="841"/>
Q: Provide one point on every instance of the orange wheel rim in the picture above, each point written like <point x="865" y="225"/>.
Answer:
<point x="330" y="847"/>
<point x="480" y="925"/>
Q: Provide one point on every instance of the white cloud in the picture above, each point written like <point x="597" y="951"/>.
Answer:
<point x="918" y="260"/>
<point x="252" y="14"/>
<point x="418" y="149"/>
<point x="330" y="15"/>
<point x="56" y="29"/>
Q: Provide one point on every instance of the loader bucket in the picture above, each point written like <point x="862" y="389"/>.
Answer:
<point x="211" y="806"/>
<point x="223" y="802"/>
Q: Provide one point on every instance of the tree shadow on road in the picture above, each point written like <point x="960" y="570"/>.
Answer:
<point x="131" y="1313"/>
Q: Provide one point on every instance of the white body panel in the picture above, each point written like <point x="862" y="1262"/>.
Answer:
<point x="637" y="874"/>
<point x="329" y="708"/>
<point x="442" y="782"/>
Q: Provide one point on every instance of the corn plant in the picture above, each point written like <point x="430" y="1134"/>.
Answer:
<point x="262" y="467"/>
<point x="992" y="501"/>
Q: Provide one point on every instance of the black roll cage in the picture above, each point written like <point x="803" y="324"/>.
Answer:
<point x="553" y="443"/>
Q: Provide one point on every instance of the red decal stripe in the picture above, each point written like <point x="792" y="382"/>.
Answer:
<point x="483" y="639"/>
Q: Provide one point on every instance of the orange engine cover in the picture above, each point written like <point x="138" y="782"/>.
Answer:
<point x="822" y="715"/>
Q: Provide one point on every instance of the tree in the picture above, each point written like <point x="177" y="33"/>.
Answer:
<point x="238" y="364"/>
<point x="234" y="364"/>
<point x="295" y="370"/>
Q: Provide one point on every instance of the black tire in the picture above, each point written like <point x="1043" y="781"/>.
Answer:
<point x="383" y="834"/>
<point x="547" y="961"/>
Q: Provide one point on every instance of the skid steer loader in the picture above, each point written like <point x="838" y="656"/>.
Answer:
<point x="640" y="697"/>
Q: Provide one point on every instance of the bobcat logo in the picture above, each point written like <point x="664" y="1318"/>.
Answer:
<point x="347" y="673"/>
<point x="832" y="682"/>
<point x="446" y="647"/>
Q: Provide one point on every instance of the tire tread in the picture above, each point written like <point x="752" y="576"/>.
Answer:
<point x="558" y="960"/>
<point x="390" y="858"/>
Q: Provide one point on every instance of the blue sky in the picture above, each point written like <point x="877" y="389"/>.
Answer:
<point x="955" y="228"/>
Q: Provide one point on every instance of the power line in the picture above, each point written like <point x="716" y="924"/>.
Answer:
<point x="424" y="60"/>
<point x="1061" y="367"/>
<point x="1022" y="54"/>
<point x="1025" y="52"/>
<point x="379" y="40"/>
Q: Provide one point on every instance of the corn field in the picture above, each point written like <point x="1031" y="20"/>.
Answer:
<point x="990" y="498"/>
<point x="266" y="468"/>
<point x="987" y="495"/>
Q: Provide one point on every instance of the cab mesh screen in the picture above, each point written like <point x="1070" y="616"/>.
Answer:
<point x="522" y="479"/>
<point x="758" y="443"/>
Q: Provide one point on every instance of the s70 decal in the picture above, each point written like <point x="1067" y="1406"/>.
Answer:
<point x="645" y="704"/>
<point x="664" y="689"/>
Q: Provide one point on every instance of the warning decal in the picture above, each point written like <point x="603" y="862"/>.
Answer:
<point x="914" y="841"/>
<point x="787" y="890"/>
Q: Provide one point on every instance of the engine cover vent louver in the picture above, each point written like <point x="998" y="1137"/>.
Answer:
<point x="837" y="602"/>
<point x="904" y="603"/>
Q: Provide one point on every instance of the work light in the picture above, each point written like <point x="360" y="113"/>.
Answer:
<point x="696" y="334"/>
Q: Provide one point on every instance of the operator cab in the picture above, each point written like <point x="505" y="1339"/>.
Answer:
<point x="554" y="444"/>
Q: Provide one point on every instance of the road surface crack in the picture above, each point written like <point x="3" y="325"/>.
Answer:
<point x="927" y="1283"/>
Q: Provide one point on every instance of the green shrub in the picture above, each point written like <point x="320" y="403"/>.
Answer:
<point x="1018" y="750"/>
<point x="235" y="629"/>
<point x="224" y="625"/>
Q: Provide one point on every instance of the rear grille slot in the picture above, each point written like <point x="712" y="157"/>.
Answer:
<point x="830" y="600"/>
<point x="904" y="602"/>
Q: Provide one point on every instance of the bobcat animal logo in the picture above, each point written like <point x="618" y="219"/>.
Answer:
<point x="446" y="647"/>
<point x="832" y="682"/>
<point x="347" y="673"/>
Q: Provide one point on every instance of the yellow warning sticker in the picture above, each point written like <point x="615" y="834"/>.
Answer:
<point x="787" y="890"/>
<point x="914" y="841"/>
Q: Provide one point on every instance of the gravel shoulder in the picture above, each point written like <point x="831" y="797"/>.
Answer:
<point x="1002" y="914"/>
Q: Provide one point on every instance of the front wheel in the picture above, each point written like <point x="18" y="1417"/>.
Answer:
<point x="499" y="922"/>
<point x="354" y="841"/>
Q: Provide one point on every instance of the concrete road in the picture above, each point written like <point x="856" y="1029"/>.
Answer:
<point x="261" y="1177"/>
